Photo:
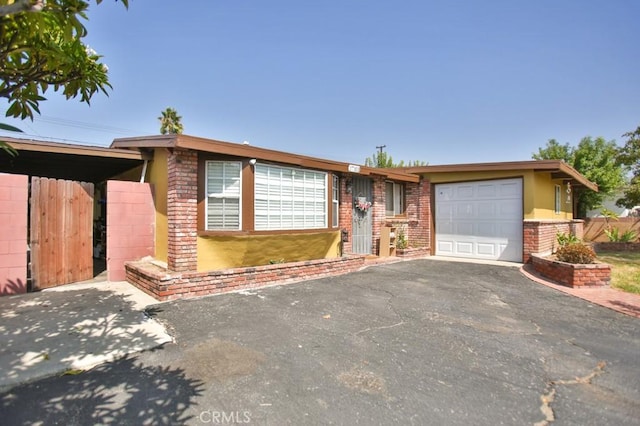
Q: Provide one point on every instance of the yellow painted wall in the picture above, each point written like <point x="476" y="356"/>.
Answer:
<point x="157" y="175"/>
<point x="229" y="251"/>
<point x="545" y="196"/>
<point x="538" y="190"/>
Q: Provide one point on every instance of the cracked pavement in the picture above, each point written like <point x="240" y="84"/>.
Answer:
<point x="420" y="342"/>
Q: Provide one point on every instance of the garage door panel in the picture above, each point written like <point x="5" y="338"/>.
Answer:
<point x="480" y="219"/>
<point x="462" y="247"/>
<point x="486" y="249"/>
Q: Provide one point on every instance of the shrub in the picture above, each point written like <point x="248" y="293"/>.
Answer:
<point x="401" y="242"/>
<point x="576" y="253"/>
<point x="564" y="239"/>
<point x="615" y="237"/>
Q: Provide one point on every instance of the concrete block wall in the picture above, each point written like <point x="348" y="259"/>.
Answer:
<point x="14" y="194"/>
<point x="130" y="225"/>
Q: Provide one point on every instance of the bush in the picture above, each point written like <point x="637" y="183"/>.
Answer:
<point x="564" y="239"/>
<point x="615" y="237"/>
<point x="576" y="253"/>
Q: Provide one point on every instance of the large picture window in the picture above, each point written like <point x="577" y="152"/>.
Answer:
<point x="394" y="199"/>
<point x="223" y="190"/>
<point x="288" y="198"/>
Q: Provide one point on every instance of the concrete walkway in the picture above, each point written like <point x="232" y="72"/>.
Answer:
<point x="71" y="328"/>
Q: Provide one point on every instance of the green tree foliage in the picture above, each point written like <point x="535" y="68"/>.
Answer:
<point x="595" y="159"/>
<point x="383" y="160"/>
<point x="629" y="156"/>
<point x="170" y="122"/>
<point x="41" y="48"/>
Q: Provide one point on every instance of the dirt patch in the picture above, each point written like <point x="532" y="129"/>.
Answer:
<point x="363" y="381"/>
<point x="220" y="360"/>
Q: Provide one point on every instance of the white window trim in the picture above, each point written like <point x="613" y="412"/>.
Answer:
<point x="558" y="199"/>
<point x="222" y="196"/>
<point x="398" y="199"/>
<point x="310" y="203"/>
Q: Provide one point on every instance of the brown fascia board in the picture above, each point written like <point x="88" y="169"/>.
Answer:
<point x="558" y="167"/>
<point x="72" y="149"/>
<point x="249" y="151"/>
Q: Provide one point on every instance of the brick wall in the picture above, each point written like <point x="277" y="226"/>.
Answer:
<point x="541" y="236"/>
<point x="165" y="285"/>
<point x="14" y="193"/>
<point x="346" y="214"/>
<point x="130" y="225"/>
<point x="182" y="210"/>
<point x="572" y="275"/>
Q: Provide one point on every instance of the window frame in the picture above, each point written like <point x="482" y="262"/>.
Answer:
<point x="296" y="182"/>
<point x="558" y="199"/>
<point x="399" y="202"/>
<point x="222" y="195"/>
<point x="335" y="201"/>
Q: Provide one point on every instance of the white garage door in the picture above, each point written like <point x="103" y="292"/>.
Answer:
<point x="480" y="219"/>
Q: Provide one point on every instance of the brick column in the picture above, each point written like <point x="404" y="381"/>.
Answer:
<point x="182" y="210"/>
<point x="418" y="199"/>
<point x="346" y="213"/>
<point x="378" y="211"/>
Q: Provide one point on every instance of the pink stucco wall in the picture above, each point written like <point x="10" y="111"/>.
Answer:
<point x="14" y="193"/>
<point x="130" y="225"/>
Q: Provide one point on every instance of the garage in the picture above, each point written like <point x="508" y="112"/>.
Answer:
<point x="479" y="219"/>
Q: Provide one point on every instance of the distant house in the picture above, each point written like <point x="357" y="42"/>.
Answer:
<point x="185" y="216"/>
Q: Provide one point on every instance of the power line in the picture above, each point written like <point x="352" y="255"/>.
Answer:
<point x="85" y="125"/>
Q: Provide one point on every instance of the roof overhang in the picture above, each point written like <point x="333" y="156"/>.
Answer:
<point x="260" y="154"/>
<point x="68" y="161"/>
<point x="557" y="168"/>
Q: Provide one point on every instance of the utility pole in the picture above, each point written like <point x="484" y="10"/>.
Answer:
<point x="380" y="148"/>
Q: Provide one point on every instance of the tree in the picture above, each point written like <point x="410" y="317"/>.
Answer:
<point x="384" y="161"/>
<point x="629" y="156"/>
<point x="170" y="122"/>
<point x="40" y="48"/>
<point x="595" y="159"/>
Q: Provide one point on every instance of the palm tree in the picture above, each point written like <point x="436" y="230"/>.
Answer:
<point x="170" y="122"/>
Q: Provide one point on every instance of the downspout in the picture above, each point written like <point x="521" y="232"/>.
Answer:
<point x="144" y="171"/>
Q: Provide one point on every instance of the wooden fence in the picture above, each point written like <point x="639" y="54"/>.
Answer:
<point x="594" y="227"/>
<point x="61" y="232"/>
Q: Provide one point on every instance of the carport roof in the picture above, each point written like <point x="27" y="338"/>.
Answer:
<point x="558" y="169"/>
<point x="68" y="161"/>
<point x="264" y="154"/>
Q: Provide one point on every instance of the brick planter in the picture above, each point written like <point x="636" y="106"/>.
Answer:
<point x="615" y="247"/>
<point x="412" y="252"/>
<point x="570" y="274"/>
<point x="166" y="285"/>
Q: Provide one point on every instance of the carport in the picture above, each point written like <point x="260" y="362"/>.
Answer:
<point x="61" y="200"/>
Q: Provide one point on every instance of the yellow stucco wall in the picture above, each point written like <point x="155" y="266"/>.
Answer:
<point x="229" y="251"/>
<point x="538" y="190"/>
<point x="157" y="175"/>
<point x="544" y="192"/>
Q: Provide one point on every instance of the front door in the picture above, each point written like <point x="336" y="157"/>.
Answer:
<point x="362" y="189"/>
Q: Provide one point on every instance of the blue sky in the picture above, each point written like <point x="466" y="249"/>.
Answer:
<point x="455" y="81"/>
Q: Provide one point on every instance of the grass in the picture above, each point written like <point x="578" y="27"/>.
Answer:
<point x="625" y="270"/>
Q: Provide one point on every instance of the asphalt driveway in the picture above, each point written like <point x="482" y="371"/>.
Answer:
<point x="420" y="342"/>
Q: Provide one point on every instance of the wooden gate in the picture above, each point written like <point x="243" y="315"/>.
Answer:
<point x="61" y="232"/>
